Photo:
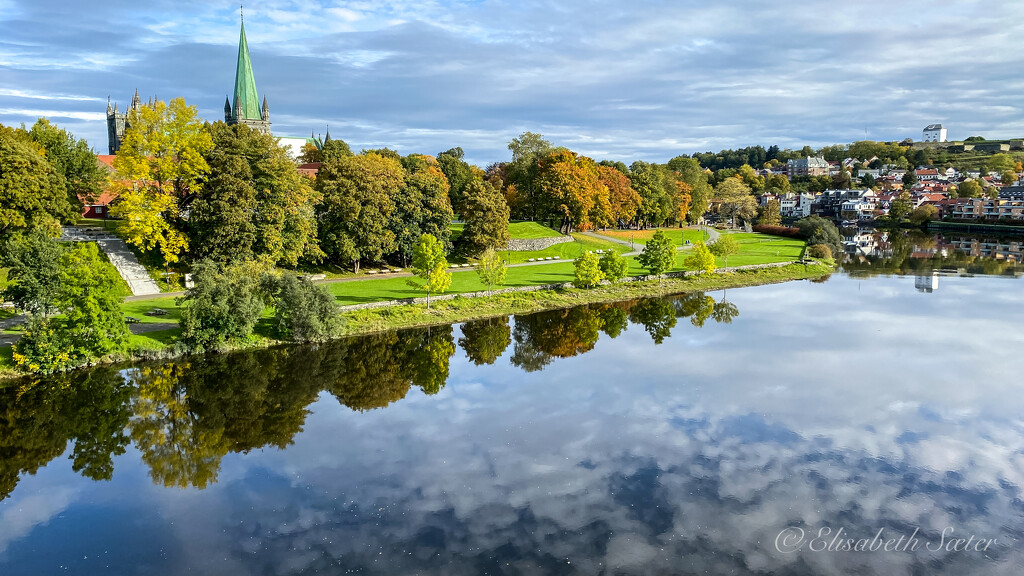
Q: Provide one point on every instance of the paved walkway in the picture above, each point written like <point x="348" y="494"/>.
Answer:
<point x="120" y="256"/>
<point x="713" y="235"/>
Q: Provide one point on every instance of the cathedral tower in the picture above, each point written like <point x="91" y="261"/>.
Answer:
<point x="246" y="109"/>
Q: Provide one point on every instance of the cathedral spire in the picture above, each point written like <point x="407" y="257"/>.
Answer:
<point x="247" y="104"/>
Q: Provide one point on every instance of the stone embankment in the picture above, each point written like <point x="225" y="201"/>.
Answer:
<point x="534" y="244"/>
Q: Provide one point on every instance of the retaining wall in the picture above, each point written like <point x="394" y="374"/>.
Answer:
<point x="534" y="244"/>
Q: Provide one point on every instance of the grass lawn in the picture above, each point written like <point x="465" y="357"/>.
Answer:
<point x="679" y="236"/>
<point x="154" y="340"/>
<point x="463" y="281"/>
<point x="531" y="230"/>
<point x="566" y="250"/>
<point x="138" y="309"/>
<point x="755" y="249"/>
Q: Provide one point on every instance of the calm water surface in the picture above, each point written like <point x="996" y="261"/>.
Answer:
<point x="732" y="433"/>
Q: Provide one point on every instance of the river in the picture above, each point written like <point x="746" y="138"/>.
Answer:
<point x="868" y="423"/>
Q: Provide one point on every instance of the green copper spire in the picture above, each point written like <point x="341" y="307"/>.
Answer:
<point x="247" y="104"/>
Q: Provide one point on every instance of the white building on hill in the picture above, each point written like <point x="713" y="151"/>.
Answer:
<point x="934" y="133"/>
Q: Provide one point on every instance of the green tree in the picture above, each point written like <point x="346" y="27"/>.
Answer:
<point x="224" y="304"/>
<point x="254" y="205"/>
<point x="588" y="271"/>
<point x="817" y="230"/>
<point x="659" y="255"/>
<point x="458" y="173"/>
<point x="303" y="311"/>
<point x="770" y="214"/>
<point x="491" y="269"/>
<point x="724" y="247"/>
<point x="900" y="207"/>
<point x="700" y="259"/>
<point x="92" y="325"/>
<point x="422" y="207"/>
<point x="334" y="149"/>
<point x="527" y="149"/>
<point x="909" y="179"/>
<point x="33" y="259"/>
<point x="32" y="193"/>
<point x="690" y="172"/>
<point x="970" y="189"/>
<point x="90" y="296"/>
<point x="613" y="266"/>
<point x="486" y="215"/>
<point x="430" y="265"/>
<point x="71" y="158"/>
<point x="355" y="214"/>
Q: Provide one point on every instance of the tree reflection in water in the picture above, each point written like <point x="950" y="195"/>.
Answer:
<point x="185" y="416"/>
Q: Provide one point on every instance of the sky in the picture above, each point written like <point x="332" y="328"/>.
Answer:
<point x="646" y="79"/>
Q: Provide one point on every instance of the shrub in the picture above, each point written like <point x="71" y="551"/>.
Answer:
<point x="786" y="231"/>
<point x="223" y="305"/>
<point x="614" y="266"/>
<point x="588" y="271"/>
<point x="821" y="251"/>
<point x="304" y="312"/>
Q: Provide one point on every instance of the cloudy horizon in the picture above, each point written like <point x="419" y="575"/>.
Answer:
<point x="649" y="81"/>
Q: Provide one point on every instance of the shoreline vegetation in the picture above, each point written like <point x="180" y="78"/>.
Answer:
<point x="466" y="307"/>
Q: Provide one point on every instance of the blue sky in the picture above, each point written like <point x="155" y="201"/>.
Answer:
<point x="640" y="80"/>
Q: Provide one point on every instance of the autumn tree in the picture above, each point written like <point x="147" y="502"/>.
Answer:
<point x="569" y="183"/>
<point x="486" y="215"/>
<point x="430" y="265"/>
<point x="160" y="169"/>
<point x="769" y="214"/>
<point x="734" y="200"/>
<point x="690" y="172"/>
<point x="588" y="272"/>
<point x="623" y="200"/>
<point x="700" y="259"/>
<point x="358" y="204"/>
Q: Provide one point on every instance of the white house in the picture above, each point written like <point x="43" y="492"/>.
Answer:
<point x="934" y="133"/>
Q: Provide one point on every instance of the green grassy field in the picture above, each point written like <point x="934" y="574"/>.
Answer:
<point x="754" y="249"/>
<point x="531" y="230"/>
<point x="138" y="309"/>
<point x="640" y="237"/>
<point x="566" y="250"/>
<point x="154" y="340"/>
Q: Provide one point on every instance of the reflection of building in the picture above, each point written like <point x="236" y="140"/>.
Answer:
<point x="1009" y="250"/>
<point x="927" y="283"/>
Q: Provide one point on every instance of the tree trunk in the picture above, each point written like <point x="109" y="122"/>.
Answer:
<point x="355" y="264"/>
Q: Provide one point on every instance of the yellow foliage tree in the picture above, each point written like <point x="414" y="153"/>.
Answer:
<point x="160" y="165"/>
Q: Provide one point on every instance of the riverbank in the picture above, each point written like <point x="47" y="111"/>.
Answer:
<point x="462" y="308"/>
